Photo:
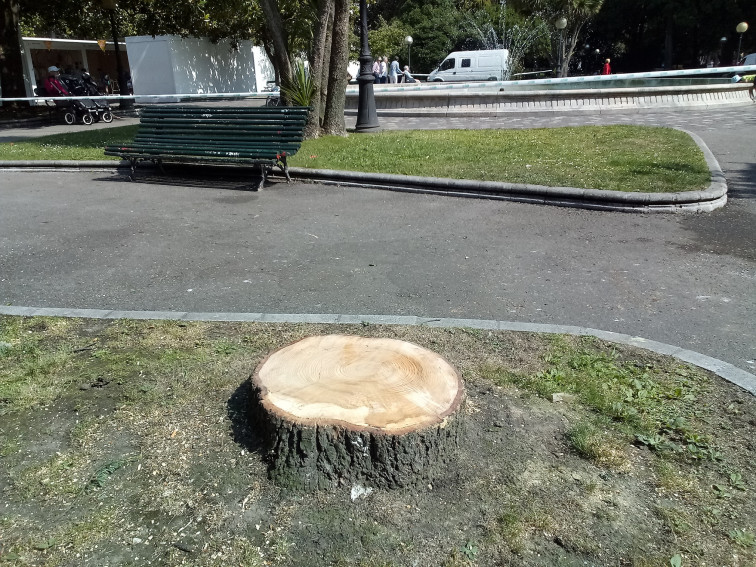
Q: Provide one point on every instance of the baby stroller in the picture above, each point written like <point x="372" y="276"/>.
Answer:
<point x="73" y="110"/>
<point x="99" y="110"/>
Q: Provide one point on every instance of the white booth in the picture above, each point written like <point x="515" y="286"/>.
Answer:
<point x="165" y="65"/>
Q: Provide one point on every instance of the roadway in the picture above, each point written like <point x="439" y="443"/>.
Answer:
<point x="93" y="240"/>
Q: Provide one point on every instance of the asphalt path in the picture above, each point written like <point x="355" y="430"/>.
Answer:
<point x="84" y="239"/>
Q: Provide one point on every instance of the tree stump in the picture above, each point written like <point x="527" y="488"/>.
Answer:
<point x="338" y="409"/>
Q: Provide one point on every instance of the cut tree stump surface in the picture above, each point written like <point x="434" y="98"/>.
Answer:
<point x="344" y="407"/>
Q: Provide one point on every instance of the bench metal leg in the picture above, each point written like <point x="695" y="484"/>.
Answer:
<point x="263" y="173"/>
<point x="284" y="167"/>
<point x="133" y="162"/>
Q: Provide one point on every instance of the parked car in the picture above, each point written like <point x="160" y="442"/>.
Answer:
<point x="485" y="65"/>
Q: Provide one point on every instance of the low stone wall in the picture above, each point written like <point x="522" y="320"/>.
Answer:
<point x="469" y="102"/>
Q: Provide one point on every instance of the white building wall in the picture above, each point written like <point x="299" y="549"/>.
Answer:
<point x="152" y="67"/>
<point x="174" y="65"/>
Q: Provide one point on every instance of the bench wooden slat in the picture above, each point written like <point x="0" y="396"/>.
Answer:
<point x="221" y="130"/>
<point x="289" y="149"/>
<point x="169" y="148"/>
<point x="176" y="109"/>
<point x="268" y="154"/>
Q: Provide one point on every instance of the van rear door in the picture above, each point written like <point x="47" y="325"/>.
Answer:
<point x="490" y="66"/>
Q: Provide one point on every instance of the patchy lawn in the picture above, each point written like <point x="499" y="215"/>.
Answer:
<point x="127" y="443"/>
<point x="617" y="158"/>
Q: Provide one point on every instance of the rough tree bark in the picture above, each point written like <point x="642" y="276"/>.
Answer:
<point x="279" y="39"/>
<point x="325" y="7"/>
<point x="339" y="409"/>
<point x="326" y="62"/>
<point x="333" y="122"/>
<point x="11" y="66"/>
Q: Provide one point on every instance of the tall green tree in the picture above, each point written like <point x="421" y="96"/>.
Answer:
<point x="436" y="28"/>
<point x="11" y="67"/>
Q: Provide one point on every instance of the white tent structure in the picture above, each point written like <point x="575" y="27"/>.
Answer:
<point x="166" y="65"/>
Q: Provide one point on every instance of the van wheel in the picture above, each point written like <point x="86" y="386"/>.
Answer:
<point x="438" y="80"/>
<point x="491" y="79"/>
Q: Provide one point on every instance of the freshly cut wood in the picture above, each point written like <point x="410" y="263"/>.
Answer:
<point x="341" y="408"/>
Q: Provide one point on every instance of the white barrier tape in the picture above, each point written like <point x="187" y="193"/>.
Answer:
<point x="681" y="73"/>
<point x="138" y="97"/>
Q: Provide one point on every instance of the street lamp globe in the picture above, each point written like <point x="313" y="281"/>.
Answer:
<point x="560" y="23"/>
<point x="741" y="28"/>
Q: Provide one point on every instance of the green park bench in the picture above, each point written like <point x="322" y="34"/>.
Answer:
<point x="257" y="136"/>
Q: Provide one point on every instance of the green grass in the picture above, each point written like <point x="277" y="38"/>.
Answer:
<point x="648" y="405"/>
<point x="618" y="158"/>
<point x="86" y="145"/>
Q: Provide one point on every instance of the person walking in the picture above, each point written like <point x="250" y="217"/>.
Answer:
<point x="377" y="70"/>
<point x="394" y="70"/>
<point x="384" y="70"/>
<point x="607" y="68"/>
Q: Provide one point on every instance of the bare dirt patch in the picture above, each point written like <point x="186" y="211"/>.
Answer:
<point x="129" y="443"/>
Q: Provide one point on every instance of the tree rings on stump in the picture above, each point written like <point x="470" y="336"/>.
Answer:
<point x="338" y="409"/>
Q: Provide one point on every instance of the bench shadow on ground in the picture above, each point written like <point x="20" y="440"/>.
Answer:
<point x="234" y="179"/>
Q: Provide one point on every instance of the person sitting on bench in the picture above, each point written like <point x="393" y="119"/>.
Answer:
<point x="53" y="86"/>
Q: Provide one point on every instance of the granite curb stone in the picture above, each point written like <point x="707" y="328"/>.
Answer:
<point x="723" y="369"/>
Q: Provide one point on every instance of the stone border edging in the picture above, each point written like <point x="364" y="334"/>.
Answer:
<point x="476" y="102"/>
<point x="725" y="370"/>
<point x="714" y="197"/>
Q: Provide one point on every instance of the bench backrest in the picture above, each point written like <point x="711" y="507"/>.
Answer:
<point x="227" y="125"/>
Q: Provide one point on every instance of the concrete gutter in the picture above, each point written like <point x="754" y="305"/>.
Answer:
<point x="725" y="370"/>
<point x="714" y="197"/>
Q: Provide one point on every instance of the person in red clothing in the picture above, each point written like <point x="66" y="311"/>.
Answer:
<point x="606" y="69"/>
<point x="53" y="86"/>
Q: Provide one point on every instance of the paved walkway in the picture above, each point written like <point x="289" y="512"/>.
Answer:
<point x="90" y="240"/>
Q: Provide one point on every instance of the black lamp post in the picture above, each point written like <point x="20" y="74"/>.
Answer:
<point x="110" y="6"/>
<point x="722" y="42"/>
<point x="560" y="24"/>
<point x="408" y="40"/>
<point x="741" y="28"/>
<point x="367" y="117"/>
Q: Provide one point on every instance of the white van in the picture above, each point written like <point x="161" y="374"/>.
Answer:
<point x="487" y="65"/>
<point x="749" y="59"/>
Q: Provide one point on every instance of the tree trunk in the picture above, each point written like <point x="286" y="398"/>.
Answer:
<point x="269" y="52"/>
<point x="326" y="63"/>
<point x="339" y="409"/>
<point x="279" y="40"/>
<point x="11" y="65"/>
<point x="333" y="122"/>
<point x="325" y="8"/>
<point x="570" y="51"/>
